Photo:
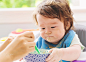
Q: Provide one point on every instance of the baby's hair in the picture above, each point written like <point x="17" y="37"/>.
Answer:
<point x="55" y="9"/>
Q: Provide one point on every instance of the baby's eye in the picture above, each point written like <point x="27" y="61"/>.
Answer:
<point x="43" y="28"/>
<point x="53" y="27"/>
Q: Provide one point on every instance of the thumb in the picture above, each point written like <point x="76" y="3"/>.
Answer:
<point x="50" y="51"/>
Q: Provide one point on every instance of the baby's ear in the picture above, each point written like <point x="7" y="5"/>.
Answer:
<point x="68" y="25"/>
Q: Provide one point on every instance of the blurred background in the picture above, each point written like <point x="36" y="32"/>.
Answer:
<point x="32" y="3"/>
<point x="18" y="3"/>
<point x="16" y="14"/>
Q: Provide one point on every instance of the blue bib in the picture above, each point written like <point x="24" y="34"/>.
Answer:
<point x="64" y="42"/>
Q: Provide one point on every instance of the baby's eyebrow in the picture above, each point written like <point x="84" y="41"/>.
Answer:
<point x="54" y="23"/>
<point x="49" y="23"/>
<point x="41" y="25"/>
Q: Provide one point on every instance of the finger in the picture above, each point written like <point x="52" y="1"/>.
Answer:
<point x="49" y="57"/>
<point x="29" y="44"/>
<point x="12" y="37"/>
<point x="52" y="60"/>
<point x="50" y="51"/>
<point x="56" y="61"/>
<point x="28" y="39"/>
<point x="31" y="49"/>
<point x="23" y="39"/>
<point x="9" y="39"/>
<point x="28" y="34"/>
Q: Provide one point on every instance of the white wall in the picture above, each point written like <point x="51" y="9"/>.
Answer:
<point x="7" y="28"/>
<point x="24" y="15"/>
<point x="12" y="19"/>
<point x="18" y="15"/>
<point x="79" y="13"/>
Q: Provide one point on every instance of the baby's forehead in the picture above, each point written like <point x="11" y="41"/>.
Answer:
<point x="42" y="24"/>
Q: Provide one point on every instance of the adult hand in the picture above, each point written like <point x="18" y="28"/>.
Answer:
<point x="8" y="40"/>
<point x="20" y="46"/>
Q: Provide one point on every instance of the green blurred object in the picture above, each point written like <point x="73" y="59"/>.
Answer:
<point x="69" y="1"/>
<point x="18" y="3"/>
<point x="37" y="49"/>
<point x="19" y="30"/>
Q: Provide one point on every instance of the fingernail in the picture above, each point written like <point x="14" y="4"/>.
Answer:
<point x="46" y="60"/>
<point x="30" y="36"/>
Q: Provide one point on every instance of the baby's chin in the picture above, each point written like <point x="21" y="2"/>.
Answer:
<point x="53" y="42"/>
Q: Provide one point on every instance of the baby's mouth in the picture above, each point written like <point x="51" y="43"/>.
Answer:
<point x="48" y="38"/>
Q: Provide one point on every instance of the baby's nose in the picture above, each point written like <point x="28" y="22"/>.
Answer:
<point x="48" y="31"/>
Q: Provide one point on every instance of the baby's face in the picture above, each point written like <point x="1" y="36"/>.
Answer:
<point x="51" y="30"/>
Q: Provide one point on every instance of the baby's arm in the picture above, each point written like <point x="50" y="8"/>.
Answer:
<point x="71" y="53"/>
<point x="68" y="54"/>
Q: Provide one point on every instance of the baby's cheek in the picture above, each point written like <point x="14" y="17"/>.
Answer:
<point x="42" y="35"/>
<point x="56" y="34"/>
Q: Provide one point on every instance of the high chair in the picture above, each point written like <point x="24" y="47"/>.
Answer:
<point x="81" y="31"/>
